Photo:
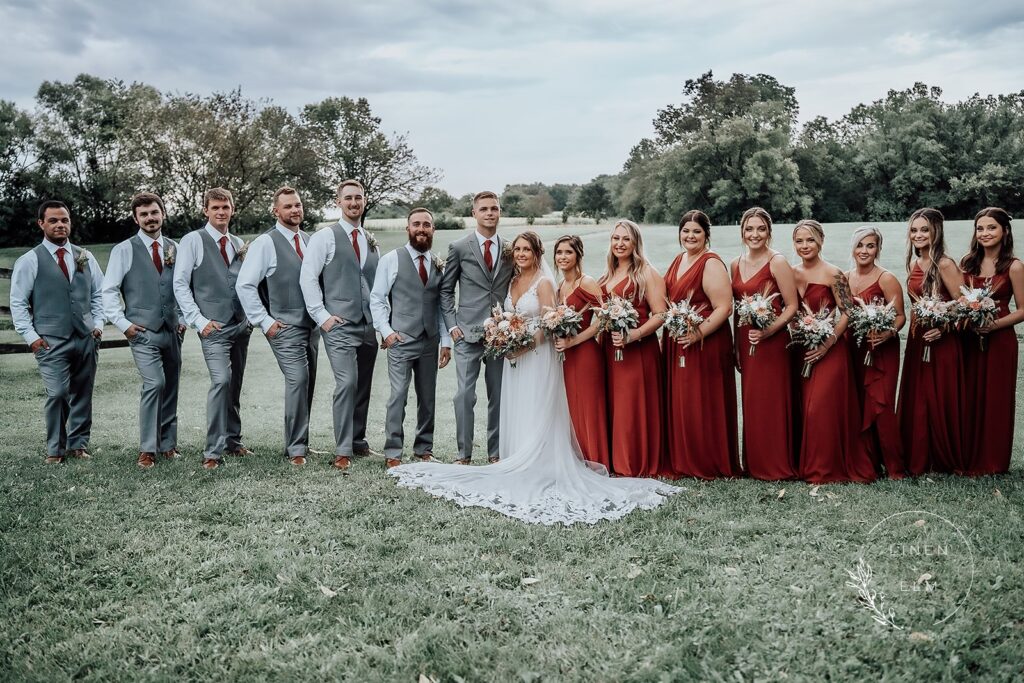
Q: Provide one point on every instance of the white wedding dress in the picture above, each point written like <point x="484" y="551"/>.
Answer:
<point x="541" y="477"/>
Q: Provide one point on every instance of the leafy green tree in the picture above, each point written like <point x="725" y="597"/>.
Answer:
<point x="435" y="199"/>
<point x="594" y="200"/>
<point x="17" y="164"/>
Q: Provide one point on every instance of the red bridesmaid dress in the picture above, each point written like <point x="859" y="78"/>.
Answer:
<point x="991" y="388"/>
<point x="766" y="388"/>
<point x="877" y="387"/>
<point x="585" y="386"/>
<point x="931" y="407"/>
<point x="831" y="447"/>
<point x="700" y="398"/>
<point x="634" y="399"/>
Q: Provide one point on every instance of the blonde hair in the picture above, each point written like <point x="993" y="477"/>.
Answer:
<point x="638" y="263"/>
<point x="756" y="212"/>
<point x="866" y="231"/>
<point x="814" y="227"/>
<point x="937" y="251"/>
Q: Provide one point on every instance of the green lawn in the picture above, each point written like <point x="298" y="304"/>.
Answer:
<point x="259" y="571"/>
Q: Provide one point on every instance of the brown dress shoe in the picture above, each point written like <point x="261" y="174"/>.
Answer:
<point x="392" y="462"/>
<point x="146" y="460"/>
<point x="493" y="459"/>
<point x="342" y="462"/>
<point x="241" y="451"/>
<point x="54" y="460"/>
<point x="425" y="457"/>
<point x="297" y="460"/>
<point x="79" y="454"/>
<point x="210" y="464"/>
<point x="461" y="461"/>
<point x="171" y="454"/>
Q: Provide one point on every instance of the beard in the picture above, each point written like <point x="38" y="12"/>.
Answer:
<point x="421" y="242"/>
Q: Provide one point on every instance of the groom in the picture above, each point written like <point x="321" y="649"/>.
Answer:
<point x="476" y="266"/>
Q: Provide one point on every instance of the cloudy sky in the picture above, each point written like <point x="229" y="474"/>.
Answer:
<point x="497" y="93"/>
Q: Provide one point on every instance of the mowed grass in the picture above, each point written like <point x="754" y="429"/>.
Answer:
<point x="260" y="571"/>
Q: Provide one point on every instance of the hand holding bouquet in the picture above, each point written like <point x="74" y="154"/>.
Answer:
<point x="681" y="320"/>
<point x="756" y="311"/>
<point x="867" y="319"/>
<point x="811" y="330"/>
<point x="616" y="315"/>
<point x="932" y="313"/>
<point x="976" y="310"/>
<point x="507" y="332"/>
<point x="562" y="321"/>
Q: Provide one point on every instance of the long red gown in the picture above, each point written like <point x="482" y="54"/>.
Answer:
<point x="700" y="398"/>
<point x="931" y="407"/>
<point x="586" y="386"/>
<point x="877" y="388"/>
<point x="766" y="388"/>
<point x="831" y="447"/>
<point x="634" y="398"/>
<point x="991" y="389"/>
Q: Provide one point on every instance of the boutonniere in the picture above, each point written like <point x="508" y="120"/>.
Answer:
<point x="82" y="260"/>
<point x="169" y="253"/>
<point x="506" y="251"/>
<point x="371" y="240"/>
<point x="439" y="264"/>
<point x="242" y="251"/>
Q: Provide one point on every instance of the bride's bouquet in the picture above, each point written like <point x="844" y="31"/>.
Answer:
<point x="616" y="315"/>
<point x="975" y="309"/>
<point x="931" y="312"/>
<point x="562" y="321"/>
<point x="867" y="318"/>
<point x="810" y="330"/>
<point x="506" y="332"/>
<point x="756" y="311"/>
<point x="681" y="319"/>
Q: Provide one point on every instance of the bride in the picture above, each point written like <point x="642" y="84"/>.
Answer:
<point x="541" y="477"/>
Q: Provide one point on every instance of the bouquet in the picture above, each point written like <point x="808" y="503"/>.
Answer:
<point x="810" y="330"/>
<point x="682" y="319"/>
<point x="756" y="311"/>
<point x="506" y="332"/>
<point x="561" y="321"/>
<point x="976" y="309"/>
<point x="616" y="315"/>
<point x="933" y="313"/>
<point x="866" y="318"/>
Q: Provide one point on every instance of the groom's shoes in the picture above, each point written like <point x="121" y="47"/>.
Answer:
<point x="342" y="462"/>
<point x="461" y="461"/>
<point x="424" y="457"/>
<point x="493" y="459"/>
<point x="392" y="462"/>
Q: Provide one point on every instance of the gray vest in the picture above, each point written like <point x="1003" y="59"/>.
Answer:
<point x="149" y="295"/>
<point x="347" y="288"/>
<point x="280" y="292"/>
<point x="213" y="283"/>
<point x="413" y="304"/>
<point x="60" y="308"/>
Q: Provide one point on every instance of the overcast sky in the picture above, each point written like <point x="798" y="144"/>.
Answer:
<point x="497" y="93"/>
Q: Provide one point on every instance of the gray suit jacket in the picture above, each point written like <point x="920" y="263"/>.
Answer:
<point x="479" y="290"/>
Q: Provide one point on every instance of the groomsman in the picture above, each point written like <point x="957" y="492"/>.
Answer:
<point x="57" y="308"/>
<point x="141" y="272"/>
<point x="475" y="264"/>
<point x="406" y="307"/>
<point x="336" y="277"/>
<point x="205" y="272"/>
<point x="268" y="287"/>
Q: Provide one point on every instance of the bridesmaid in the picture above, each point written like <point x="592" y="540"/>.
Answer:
<point x="831" y="448"/>
<point x="869" y="282"/>
<point x="930" y="407"/>
<point x="992" y="373"/>
<point x="635" y="382"/>
<point x="700" y="403"/>
<point x="584" y="368"/>
<point x="765" y="378"/>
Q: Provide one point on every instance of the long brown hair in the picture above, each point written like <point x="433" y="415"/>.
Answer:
<point x="756" y="211"/>
<point x="635" y="271"/>
<point x="937" y="251"/>
<point x="971" y="263"/>
<point x="536" y="246"/>
<point x="576" y="244"/>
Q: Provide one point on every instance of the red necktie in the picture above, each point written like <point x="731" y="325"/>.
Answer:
<point x="423" y="269"/>
<point x="157" y="261"/>
<point x="60" y="262"/>
<point x="355" y="246"/>
<point x="488" y="259"/>
<point x="298" y="249"/>
<point x="224" y="250"/>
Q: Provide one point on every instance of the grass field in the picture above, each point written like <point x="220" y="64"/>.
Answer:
<point x="260" y="571"/>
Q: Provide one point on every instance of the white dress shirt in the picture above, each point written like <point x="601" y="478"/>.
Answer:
<point x="121" y="258"/>
<point x="380" y="307"/>
<point x="319" y="252"/>
<point x="190" y="257"/>
<point x="24" y="277"/>
<point x="260" y="263"/>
